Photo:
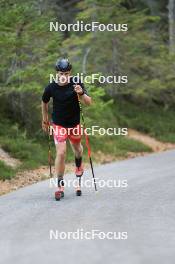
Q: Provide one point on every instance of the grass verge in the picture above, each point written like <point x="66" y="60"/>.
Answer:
<point x="6" y="172"/>
<point x="155" y="121"/>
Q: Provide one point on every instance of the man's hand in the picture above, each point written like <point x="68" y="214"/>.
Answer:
<point x="78" y="89"/>
<point x="85" y="98"/>
<point x="45" y="126"/>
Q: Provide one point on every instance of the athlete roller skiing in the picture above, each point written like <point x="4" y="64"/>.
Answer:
<point x="67" y="95"/>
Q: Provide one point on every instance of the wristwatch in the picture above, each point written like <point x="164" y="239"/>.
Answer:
<point x="82" y="93"/>
<point x="45" y="122"/>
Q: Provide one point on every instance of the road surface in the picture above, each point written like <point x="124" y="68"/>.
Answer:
<point x="141" y="214"/>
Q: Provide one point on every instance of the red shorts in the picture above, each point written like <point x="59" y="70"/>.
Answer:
<point x="60" y="134"/>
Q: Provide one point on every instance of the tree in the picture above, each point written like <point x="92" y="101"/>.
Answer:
<point x="171" y="8"/>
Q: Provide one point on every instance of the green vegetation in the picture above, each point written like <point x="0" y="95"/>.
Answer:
<point x="14" y="141"/>
<point x="155" y="121"/>
<point x="6" y="171"/>
<point x="145" y="53"/>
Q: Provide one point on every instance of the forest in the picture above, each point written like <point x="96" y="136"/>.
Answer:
<point x="142" y="48"/>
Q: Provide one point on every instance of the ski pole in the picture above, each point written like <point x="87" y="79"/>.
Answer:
<point x="87" y="142"/>
<point x="49" y="150"/>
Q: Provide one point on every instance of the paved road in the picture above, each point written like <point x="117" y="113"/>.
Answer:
<point x="145" y="210"/>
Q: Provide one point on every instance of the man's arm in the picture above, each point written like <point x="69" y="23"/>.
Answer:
<point x="84" y="98"/>
<point x="45" y="116"/>
<point x="44" y="107"/>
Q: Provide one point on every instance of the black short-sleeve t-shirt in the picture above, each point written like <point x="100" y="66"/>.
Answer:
<point x="66" y="110"/>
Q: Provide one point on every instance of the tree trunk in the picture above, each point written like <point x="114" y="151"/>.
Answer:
<point x="171" y="16"/>
<point x="85" y="60"/>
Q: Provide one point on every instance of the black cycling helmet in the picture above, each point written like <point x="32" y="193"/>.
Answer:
<point x="63" y="65"/>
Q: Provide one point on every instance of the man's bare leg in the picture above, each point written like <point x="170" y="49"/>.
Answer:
<point x="78" y="152"/>
<point x="60" y="164"/>
<point x="77" y="149"/>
